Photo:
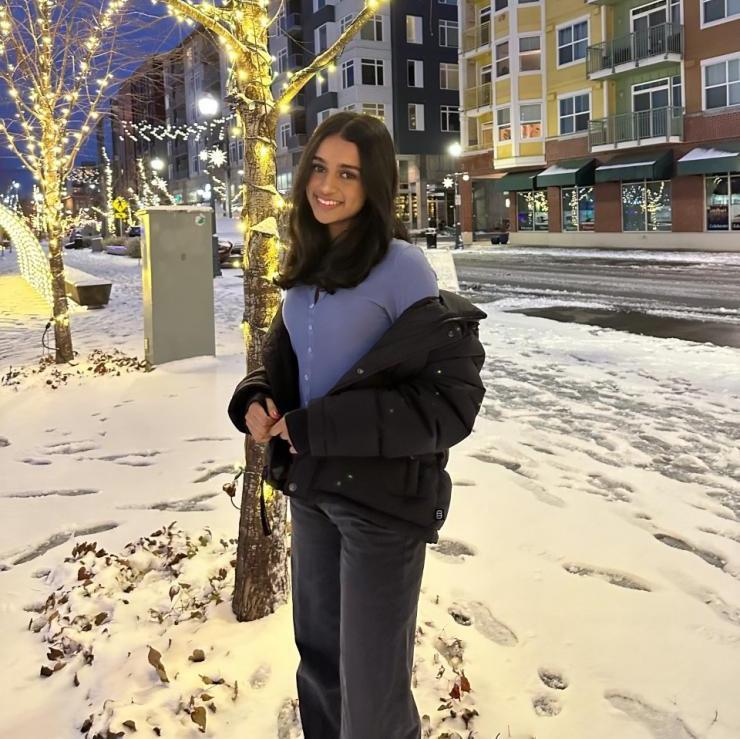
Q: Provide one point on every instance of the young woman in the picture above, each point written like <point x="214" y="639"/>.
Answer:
<point x="370" y="374"/>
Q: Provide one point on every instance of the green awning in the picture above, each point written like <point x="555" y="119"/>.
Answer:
<point x="565" y="174"/>
<point x="718" y="159"/>
<point x="514" y="181"/>
<point x="646" y="166"/>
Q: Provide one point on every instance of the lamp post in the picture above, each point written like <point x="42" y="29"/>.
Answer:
<point x="208" y="106"/>
<point x="156" y="164"/>
<point x="455" y="150"/>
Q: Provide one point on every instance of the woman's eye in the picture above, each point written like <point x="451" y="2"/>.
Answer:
<point x="348" y="175"/>
<point x="317" y="168"/>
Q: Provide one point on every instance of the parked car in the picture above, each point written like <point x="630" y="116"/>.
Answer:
<point x="134" y="231"/>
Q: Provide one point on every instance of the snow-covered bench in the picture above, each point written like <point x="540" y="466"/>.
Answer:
<point x="86" y="289"/>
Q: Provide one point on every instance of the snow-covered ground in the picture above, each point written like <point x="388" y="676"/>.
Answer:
<point x="590" y="566"/>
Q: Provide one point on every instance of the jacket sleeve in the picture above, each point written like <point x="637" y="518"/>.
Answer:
<point x="253" y="387"/>
<point x="428" y="413"/>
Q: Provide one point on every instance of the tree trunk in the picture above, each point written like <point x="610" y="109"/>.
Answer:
<point x="54" y="228"/>
<point x="262" y="568"/>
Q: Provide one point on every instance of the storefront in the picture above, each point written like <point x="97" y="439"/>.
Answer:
<point x="720" y="169"/>
<point x="528" y="202"/>
<point x="574" y="180"/>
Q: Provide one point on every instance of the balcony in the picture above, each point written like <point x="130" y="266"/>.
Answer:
<point x="477" y="37"/>
<point x="657" y="46"/>
<point x="291" y="23"/>
<point x="477" y="97"/>
<point x="297" y="141"/>
<point x="658" y="125"/>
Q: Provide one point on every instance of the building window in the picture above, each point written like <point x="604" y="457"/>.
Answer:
<point x="344" y="22"/>
<point x="282" y="61"/>
<point x="373" y="29"/>
<point x="578" y="208"/>
<point x="722" y="83"/>
<point x="374" y="109"/>
<point x="646" y="206"/>
<point x="284" y="134"/>
<point x="502" y="59"/>
<point x="500" y="5"/>
<point x="415" y="71"/>
<point x="448" y="34"/>
<point x="318" y="4"/>
<point x="351" y="107"/>
<point x="348" y="74"/>
<point x="485" y="74"/>
<point x="284" y="181"/>
<point x="449" y="78"/>
<point x="321" y="38"/>
<point x="448" y="2"/>
<point x="416" y="117"/>
<point x="723" y="202"/>
<point x="530" y="120"/>
<point x="413" y="29"/>
<point x="572" y="43"/>
<point x="322" y="83"/>
<point x="322" y="115"/>
<point x="574" y="113"/>
<point x="449" y="118"/>
<point x="530" y="54"/>
<point x="372" y="72"/>
<point x="503" y="124"/>
<point x="718" y="10"/>
<point x="532" y="212"/>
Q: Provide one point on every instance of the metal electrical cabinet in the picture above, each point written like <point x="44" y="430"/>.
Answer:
<point x="177" y="283"/>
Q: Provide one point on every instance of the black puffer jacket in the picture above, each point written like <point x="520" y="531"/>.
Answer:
<point x="381" y="436"/>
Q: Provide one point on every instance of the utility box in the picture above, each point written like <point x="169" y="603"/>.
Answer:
<point x="177" y="283"/>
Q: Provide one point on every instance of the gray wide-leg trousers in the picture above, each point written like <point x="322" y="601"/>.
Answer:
<point x="355" y="595"/>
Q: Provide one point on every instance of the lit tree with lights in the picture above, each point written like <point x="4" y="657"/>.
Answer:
<point x="55" y="65"/>
<point x="242" y="27"/>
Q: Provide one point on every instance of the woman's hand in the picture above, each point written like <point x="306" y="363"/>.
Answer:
<point x="259" y="423"/>
<point x="281" y="429"/>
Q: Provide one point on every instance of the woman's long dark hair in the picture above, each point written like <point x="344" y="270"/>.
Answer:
<point x="312" y="257"/>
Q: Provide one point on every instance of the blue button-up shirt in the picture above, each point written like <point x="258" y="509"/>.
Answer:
<point x="331" y="334"/>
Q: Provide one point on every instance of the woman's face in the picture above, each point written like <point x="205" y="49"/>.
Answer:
<point x="335" y="189"/>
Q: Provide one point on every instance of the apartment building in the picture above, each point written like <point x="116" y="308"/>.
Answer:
<point x="402" y="67"/>
<point x="638" y="136"/>
<point x="195" y="69"/>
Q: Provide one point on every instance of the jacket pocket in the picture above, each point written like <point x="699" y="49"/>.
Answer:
<point x="368" y="476"/>
<point x="277" y="462"/>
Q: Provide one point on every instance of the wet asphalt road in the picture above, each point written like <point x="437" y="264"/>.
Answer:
<point x="692" y="296"/>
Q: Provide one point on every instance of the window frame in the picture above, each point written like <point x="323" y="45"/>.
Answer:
<point x="645" y="183"/>
<point x="538" y="36"/>
<point x="376" y="23"/>
<point x="571" y="24"/>
<point x="456" y="71"/>
<point x="284" y="134"/>
<point x="417" y="108"/>
<point x="449" y="110"/>
<point x="541" y="121"/>
<point x="567" y="96"/>
<point x="418" y="25"/>
<point x="418" y="67"/>
<point x="504" y="125"/>
<point x="376" y="106"/>
<point x="378" y="67"/>
<point x="348" y="68"/>
<point x="506" y="58"/>
<point x="705" y="63"/>
<point x="448" y="25"/>
<point x="725" y="18"/>
<point x="317" y="37"/>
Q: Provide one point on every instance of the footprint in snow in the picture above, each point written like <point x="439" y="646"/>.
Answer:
<point x="36" y="461"/>
<point x="452" y="550"/>
<point x="184" y="505"/>
<point x="545" y="705"/>
<point x="552" y="678"/>
<point x="223" y="469"/>
<point x="3" y="442"/>
<point x="509" y="464"/>
<point x="289" y="720"/>
<point x="713" y="559"/>
<point x="479" y="615"/>
<point x="71" y="447"/>
<point x="661" y="724"/>
<point x="260" y="677"/>
<point x="70" y="493"/>
<point x="613" y="577"/>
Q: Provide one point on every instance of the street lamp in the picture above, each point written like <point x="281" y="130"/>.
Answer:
<point x="208" y="106"/>
<point x="157" y="164"/>
<point x="455" y="150"/>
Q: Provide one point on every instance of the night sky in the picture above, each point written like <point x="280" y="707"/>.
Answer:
<point x="147" y="31"/>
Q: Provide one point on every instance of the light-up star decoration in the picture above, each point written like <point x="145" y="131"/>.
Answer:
<point x="217" y="157"/>
<point x="447" y="182"/>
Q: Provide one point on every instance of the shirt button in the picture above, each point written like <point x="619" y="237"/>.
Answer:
<point x="292" y="487"/>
